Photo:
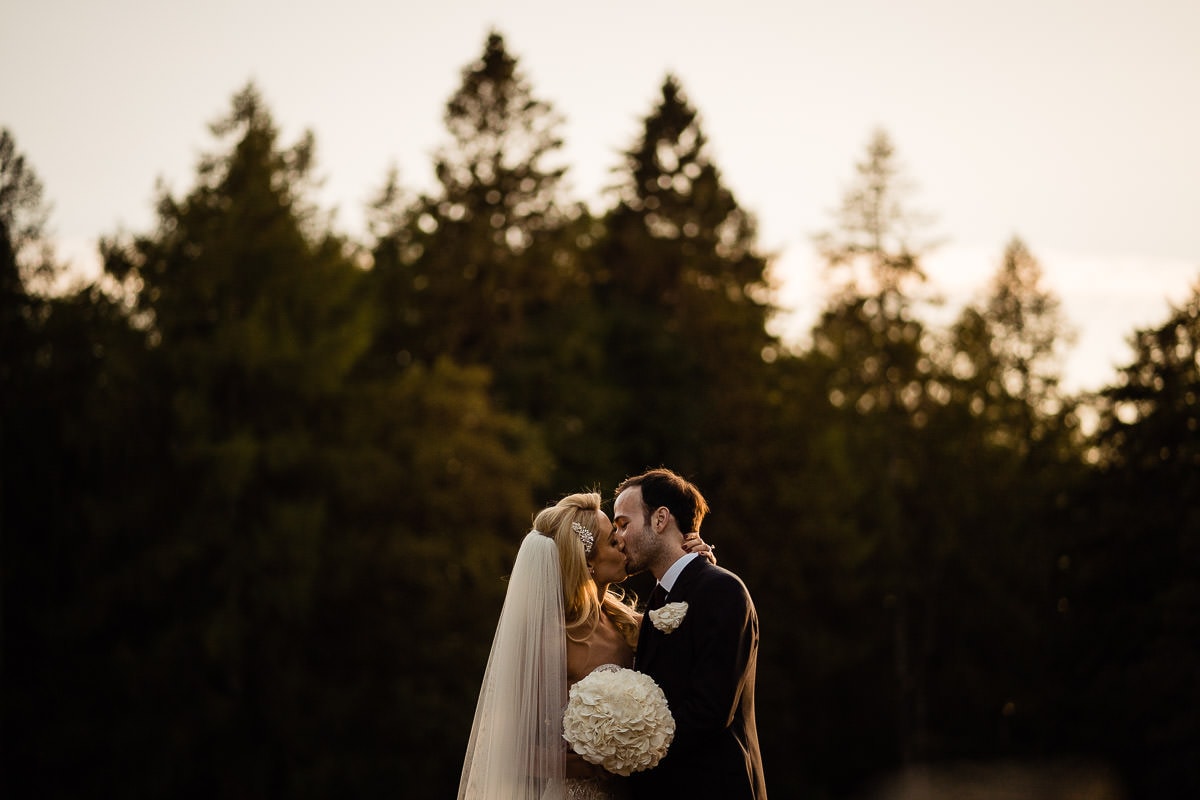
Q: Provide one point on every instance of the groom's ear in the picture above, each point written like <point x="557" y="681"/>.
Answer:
<point x="661" y="517"/>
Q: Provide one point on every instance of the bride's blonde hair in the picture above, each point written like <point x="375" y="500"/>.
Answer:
<point x="581" y="600"/>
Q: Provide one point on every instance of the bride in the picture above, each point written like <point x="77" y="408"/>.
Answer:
<point x="561" y="619"/>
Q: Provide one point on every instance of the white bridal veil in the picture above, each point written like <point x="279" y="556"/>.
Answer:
<point x="516" y="750"/>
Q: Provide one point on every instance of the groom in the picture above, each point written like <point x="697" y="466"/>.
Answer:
<point x="705" y="661"/>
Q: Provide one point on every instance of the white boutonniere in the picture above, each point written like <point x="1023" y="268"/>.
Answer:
<point x="667" y="618"/>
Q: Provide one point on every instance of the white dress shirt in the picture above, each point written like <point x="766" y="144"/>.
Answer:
<point x="672" y="574"/>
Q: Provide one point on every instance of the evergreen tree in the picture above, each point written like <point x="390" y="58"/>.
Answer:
<point x="874" y="245"/>
<point x="74" y="429"/>
<point x="874" y="356"/>
<point x="27" y="552"/>
<point x="302" y="488"/>
<point x="1130" y="599"/>
<point x="870" y="328"/>
<point x="21" y="219"/>
<point x="1007" y="352"/>
<point x="252" y="321"/>
<point x="25" y="250"/>
<point x="27" y="265"/>
<point x="469" y="267"/>
<point x="687" y="290"/>
<point x="1004" y="436"/>
<point x="488" y="270"/>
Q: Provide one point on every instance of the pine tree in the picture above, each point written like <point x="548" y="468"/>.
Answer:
<point x="252" y="320"/>
<point x="1007" y="352"/>
<point x="297" y="490"/>
<point x="489" y="270"/>
<point x="469" y="270"/>
<point x="26" y="254"/>
<point x="874" y="355"/>
<point x="1000" y="429"/>
<point x="875" y="242"/>
<point x="1130" y="603"/>
<point x="682" y="276"/>
<point x="75" y="425"/>
<point x="21" y="218"/>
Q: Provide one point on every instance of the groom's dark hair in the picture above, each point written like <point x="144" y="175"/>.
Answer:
<point x="662" y="487"/>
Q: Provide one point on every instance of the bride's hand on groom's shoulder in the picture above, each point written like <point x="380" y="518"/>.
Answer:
<point x="692" y="543"/>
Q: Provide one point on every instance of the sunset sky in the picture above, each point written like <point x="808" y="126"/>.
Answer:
<point x="1072" y="124"/>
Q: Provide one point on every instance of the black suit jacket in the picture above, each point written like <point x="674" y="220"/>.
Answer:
<point x="706" y="667"/>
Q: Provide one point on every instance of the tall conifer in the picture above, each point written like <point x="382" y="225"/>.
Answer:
<point x="687" y="287"/>
<point x="474" y="266"/>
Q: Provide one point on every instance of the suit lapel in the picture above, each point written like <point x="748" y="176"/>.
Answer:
<point x="649" y="637"/>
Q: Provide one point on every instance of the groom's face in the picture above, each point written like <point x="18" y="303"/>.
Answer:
<point x="629" y="519"/>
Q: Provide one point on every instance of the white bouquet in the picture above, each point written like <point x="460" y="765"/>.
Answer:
<point x="618" y="718"/>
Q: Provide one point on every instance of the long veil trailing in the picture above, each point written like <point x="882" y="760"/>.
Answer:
<point x="516" y="750"/>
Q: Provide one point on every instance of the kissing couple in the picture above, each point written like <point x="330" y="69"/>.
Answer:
<point x="565" y="621"/>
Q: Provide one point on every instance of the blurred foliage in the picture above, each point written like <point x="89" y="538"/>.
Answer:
<point x="1130" y="570"/>
<point x="261" y="483"/>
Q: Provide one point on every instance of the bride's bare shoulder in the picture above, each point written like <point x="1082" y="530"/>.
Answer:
<point x="607" y="643"/>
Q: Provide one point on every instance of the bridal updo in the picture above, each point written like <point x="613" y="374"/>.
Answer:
<point x="581" y="600"/>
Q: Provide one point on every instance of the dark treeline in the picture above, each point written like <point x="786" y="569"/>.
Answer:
<point x="262" y="482"/>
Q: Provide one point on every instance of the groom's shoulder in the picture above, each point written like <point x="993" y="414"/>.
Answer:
<point x="716" y="576"/>
<point x="716" y="587"/>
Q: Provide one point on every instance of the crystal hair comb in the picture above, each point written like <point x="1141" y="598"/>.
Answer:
<point x="585" y="536"/>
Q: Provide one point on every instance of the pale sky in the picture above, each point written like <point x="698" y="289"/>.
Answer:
<point x="1071" y="123"/>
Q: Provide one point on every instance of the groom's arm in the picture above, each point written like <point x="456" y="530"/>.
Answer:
<point x="725" y="632"/>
